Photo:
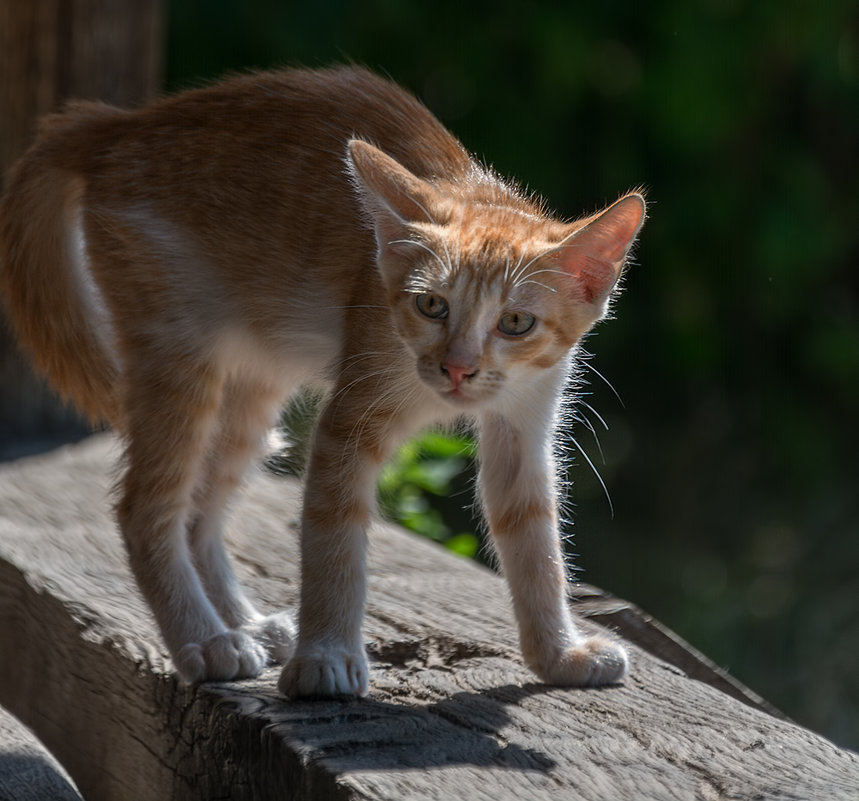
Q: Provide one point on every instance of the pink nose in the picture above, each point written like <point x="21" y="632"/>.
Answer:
<point x="457" y="373"/>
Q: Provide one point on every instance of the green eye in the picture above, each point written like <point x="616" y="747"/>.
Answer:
<point x="432" y="306"/>
<point x="516" y="323"/>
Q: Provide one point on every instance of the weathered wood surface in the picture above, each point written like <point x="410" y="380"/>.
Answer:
<point x="452" y="713"/>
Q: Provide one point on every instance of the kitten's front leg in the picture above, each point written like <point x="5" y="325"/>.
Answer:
<point x="518" y="493"/>
<point x="330" y="658"/>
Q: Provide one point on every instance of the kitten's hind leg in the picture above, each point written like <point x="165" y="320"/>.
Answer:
<point x="171" y="416"/>
<point x="518" y="494"/>
<point x="247" y="413"/>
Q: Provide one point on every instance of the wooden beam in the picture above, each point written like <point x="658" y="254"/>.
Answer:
<point x="452" y="712"/>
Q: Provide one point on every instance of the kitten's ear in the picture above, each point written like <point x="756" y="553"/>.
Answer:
<point x="594" y="254"/>
<point x="394" y="197"/>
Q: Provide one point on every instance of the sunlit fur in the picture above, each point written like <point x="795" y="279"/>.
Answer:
<point x="180" y="270"/>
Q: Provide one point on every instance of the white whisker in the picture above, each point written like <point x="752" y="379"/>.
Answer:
<point x="516" y="269"/>
<point x="598" y="374"/>
<point x="423" y="208"/>
<point x="360" y="426"/>
<point x="551" y="289"/>
<point x="366" y="377"/>
<point x="456" y="239"/>
<point x="549" y="270"/>
<point x="519" y="275"/>
<point x="356" y="358"/>
<point x="357" y="306"/>
<point x="581" y="450"/>
<point x="578" y="417"/>
<point x="445" y="267"/>
<point x="591" y="409"/>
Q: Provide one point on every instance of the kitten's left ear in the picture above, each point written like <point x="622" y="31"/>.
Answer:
<point x="393" y="196"/>
<point x="594" y="254"/>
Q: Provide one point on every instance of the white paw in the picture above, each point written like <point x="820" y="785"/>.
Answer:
<point x="320" y="671"/>
<point x="590" y="663"/>
<point x="275" y="633"/>
<point x="226" y="656"/>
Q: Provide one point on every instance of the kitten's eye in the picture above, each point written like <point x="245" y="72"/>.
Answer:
<point x="433" y="306"/>
<point x="516" y="323"/>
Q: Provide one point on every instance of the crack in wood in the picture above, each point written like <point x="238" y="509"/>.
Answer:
<point x="434" y="651"/>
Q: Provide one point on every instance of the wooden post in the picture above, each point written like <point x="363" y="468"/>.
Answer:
<point x="51" y="50"/>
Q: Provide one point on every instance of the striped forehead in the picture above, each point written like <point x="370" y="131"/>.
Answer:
<point x="475" y="289"/>
<point x="482" y="251"/>
<point x="493" y="239"/>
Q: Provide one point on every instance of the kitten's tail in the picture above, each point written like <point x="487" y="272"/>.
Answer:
<point x="50" y="299"/>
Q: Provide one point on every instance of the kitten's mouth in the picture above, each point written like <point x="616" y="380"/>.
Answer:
<point x="457" y="396"/>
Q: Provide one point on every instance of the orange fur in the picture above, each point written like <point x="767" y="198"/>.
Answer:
<point x="180" y="269"/>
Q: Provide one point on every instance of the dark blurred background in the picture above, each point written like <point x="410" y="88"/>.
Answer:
<point x="732" y="463"/>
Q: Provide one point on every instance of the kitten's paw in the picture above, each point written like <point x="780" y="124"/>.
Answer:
<point x="320" y="671"/>
<point x="276" y="634"/>
<point x="226" y="656"/>
<point x="590" y="663"/>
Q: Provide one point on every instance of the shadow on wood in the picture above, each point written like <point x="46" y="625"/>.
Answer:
<point x="452" y="712"/>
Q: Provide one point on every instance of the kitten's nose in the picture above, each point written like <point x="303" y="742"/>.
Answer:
<point x="457" y="373"/>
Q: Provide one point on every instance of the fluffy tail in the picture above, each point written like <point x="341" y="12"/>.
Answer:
<point x="51" y="302"/>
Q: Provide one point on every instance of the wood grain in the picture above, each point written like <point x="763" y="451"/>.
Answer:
<point x="452" y="712"/>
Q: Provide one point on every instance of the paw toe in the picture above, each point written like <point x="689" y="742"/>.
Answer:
<point x="190" y="663"/>
<point x="226" y="656"/>
<point x="594" y="662"/>
<point x="325" y="673"/>
<point x="608" y="659"/>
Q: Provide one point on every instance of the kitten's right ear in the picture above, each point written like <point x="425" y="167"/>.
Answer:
<point x="393" y="196"/>
<point x="594" y="254"/>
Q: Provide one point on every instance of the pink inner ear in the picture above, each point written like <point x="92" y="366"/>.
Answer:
<point x="594" y="278"/>
<point x="594" y="255"/>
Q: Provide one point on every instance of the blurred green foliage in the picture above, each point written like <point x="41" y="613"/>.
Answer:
<point x="425" y="469"/>
<point x="413" y="485"/>
<point x="733" y="463"/>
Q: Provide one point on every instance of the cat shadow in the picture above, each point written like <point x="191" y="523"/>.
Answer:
<point x="373" y="734"/>
<point x="32" y="777"/>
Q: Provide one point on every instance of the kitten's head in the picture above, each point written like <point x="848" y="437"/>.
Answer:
<point x="487" y="291"/>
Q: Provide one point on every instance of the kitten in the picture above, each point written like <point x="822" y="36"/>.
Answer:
<point x="179" y="270"/>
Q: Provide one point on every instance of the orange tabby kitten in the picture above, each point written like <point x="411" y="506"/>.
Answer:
<point x="179" y="270"/>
